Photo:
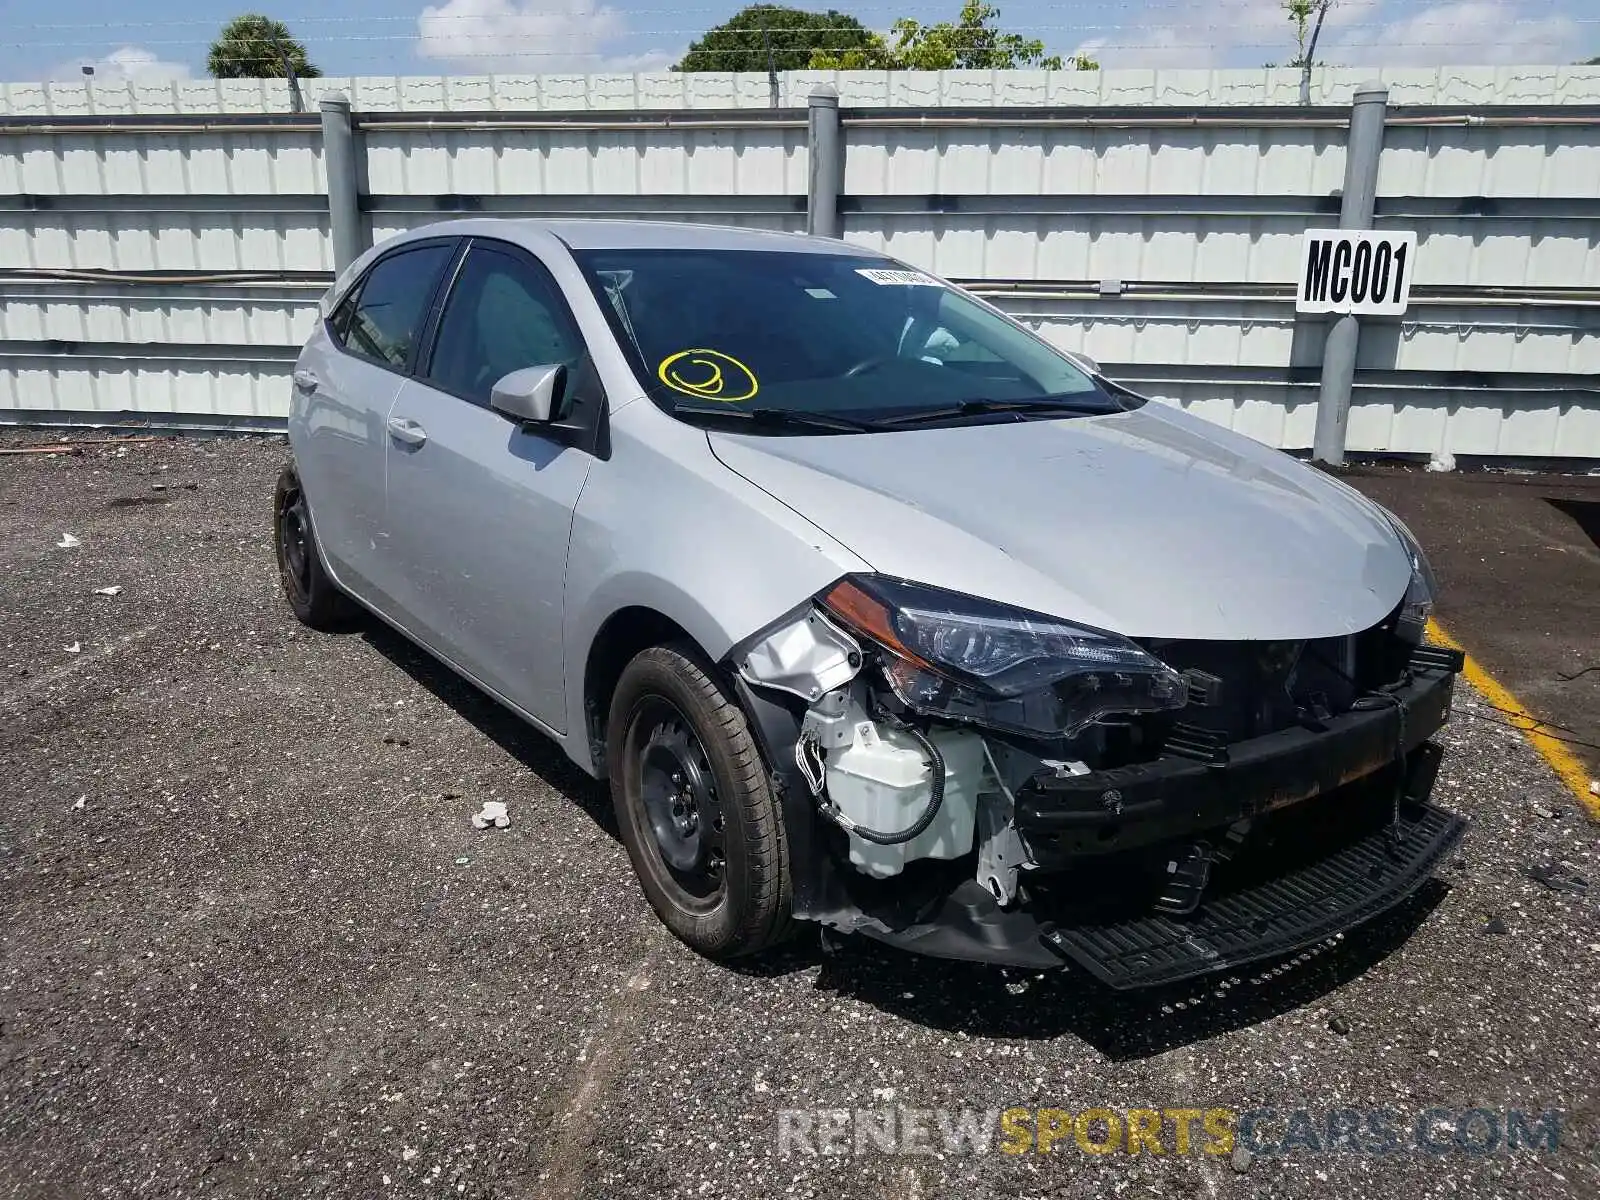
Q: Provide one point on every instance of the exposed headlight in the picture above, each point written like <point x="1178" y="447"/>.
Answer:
<point x="1420" y="592"/>
<point x="965" y="658"/>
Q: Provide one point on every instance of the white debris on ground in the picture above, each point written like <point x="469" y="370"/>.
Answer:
<point x="72" y="649"/>
<point x="493" y="813"/>
<point x="68" y="542"/>
<point x="114" y="590"/>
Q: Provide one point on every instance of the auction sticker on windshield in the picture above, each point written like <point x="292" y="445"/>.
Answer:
<point x="887" y="277"/>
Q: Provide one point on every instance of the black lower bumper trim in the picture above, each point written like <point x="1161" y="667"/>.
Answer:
<point x="1276" y="917"/>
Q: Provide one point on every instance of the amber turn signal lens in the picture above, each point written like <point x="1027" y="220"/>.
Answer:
<point x="865" y="613"/>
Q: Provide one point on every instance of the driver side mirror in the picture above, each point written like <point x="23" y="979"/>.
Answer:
<point x="529" y="395"/>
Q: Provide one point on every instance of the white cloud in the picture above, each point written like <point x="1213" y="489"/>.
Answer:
<point x="649" y="60"/>
<point x="1149" y="46"/>
<point x="485" y="36"/>
<point x="1231" y="32"/>
<point x="125" y="63"/>
<point x="1461" y="33"/>
<point x="1356" y="33"/>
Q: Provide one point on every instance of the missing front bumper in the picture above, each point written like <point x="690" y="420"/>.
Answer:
<point x="1339" y="831"/>
<point x="1307" y="882"/>
<point x="1178" y="795"/>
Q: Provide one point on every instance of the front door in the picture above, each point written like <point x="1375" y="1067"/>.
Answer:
<point x="479" y="509"/>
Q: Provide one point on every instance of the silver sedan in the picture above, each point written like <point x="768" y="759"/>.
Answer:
<point x="875" y="609"/>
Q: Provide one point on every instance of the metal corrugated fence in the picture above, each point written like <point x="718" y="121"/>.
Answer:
<point x="162" y="248"/>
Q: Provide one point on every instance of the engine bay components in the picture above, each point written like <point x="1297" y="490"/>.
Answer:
<point x="900" y="793"/>
<point x="884" y="778"/>
<point x="1001" y="853"/>
<point x="1111" y="791"/>
<point x="804" y="655"/>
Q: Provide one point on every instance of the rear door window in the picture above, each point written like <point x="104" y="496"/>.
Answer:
<point x="384" y="319"/>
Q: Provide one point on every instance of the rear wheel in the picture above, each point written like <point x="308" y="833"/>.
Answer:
<point x="695" y="807"/>
<point x="314" y="598"/>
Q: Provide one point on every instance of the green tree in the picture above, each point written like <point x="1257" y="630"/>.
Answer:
<point x="1306" y="16"/>
<point x="972" y="43"/>
<point x="257" y="47"/>
<point x="793" y="36"/>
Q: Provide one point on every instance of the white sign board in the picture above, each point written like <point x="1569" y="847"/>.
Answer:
<point x="1358" y="271"/>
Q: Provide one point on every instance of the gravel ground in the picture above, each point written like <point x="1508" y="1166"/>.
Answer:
<point x="250" y="944"/>
<point x="1497" y="540"/>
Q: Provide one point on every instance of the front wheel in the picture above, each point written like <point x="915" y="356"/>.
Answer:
<point x="695" y="806"/>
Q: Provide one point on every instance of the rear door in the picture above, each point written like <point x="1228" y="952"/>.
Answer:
<point x="345" y="383"/>
<point x="479" y="509"/>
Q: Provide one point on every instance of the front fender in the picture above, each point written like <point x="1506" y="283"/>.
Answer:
<point x="663" y="525"/>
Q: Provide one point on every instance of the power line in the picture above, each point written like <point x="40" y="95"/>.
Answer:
<point x="473" y="36"/>
<point x="1132" y="7"/>
<point x="587" y="38"/>
<point x="495" y="26"/>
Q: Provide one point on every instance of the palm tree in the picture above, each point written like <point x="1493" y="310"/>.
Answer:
<point x="257" y="47"/>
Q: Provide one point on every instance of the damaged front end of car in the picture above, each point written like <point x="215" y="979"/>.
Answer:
<point x="970" y="780"/>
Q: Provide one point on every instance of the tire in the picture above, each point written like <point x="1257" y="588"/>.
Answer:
<point x="695" y="806"/>
<point x="313" y="597"/>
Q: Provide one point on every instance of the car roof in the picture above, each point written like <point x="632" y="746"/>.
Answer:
<point x="611" y="234"/>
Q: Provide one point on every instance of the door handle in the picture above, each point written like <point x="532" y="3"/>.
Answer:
<point x="407" y="431"/>
<point x="306" y="381"/>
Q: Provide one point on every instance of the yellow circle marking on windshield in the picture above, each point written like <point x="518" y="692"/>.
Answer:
<point x="708" y="375"/>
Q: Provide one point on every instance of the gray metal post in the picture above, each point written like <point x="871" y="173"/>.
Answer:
<point x="1361" y="155"/>
<point x="339" y="160"/>
<point x="827" y="162"/>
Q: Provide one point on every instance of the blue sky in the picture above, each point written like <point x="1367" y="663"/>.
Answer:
<point x="167" y="38"/>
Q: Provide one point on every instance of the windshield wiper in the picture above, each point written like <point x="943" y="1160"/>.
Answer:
<point x="780" y="418"/>
<point x="981" y="406"/>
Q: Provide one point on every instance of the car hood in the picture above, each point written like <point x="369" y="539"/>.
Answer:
<point x="1152" y="523"/>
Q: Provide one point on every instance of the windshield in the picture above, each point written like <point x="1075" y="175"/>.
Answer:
<point x="798" y="334"/>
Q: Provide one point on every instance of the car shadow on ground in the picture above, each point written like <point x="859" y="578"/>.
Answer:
<point x="496" y="722"/>
<point x="984" y="1001"/>
<point x="971" y="998"/>
<point x="1585" y="513"/>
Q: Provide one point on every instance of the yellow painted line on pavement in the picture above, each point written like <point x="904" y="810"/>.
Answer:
<point x="1572" y="773"/>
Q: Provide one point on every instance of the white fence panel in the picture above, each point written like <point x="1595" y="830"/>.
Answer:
<point x="162" y="246"/>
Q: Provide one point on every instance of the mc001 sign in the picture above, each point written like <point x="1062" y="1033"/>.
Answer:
<point x="1358" y="271"/>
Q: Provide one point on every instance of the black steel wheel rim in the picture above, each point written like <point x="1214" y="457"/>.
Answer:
<point x="293" y="538"/>
<point x="679" y="797"/>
